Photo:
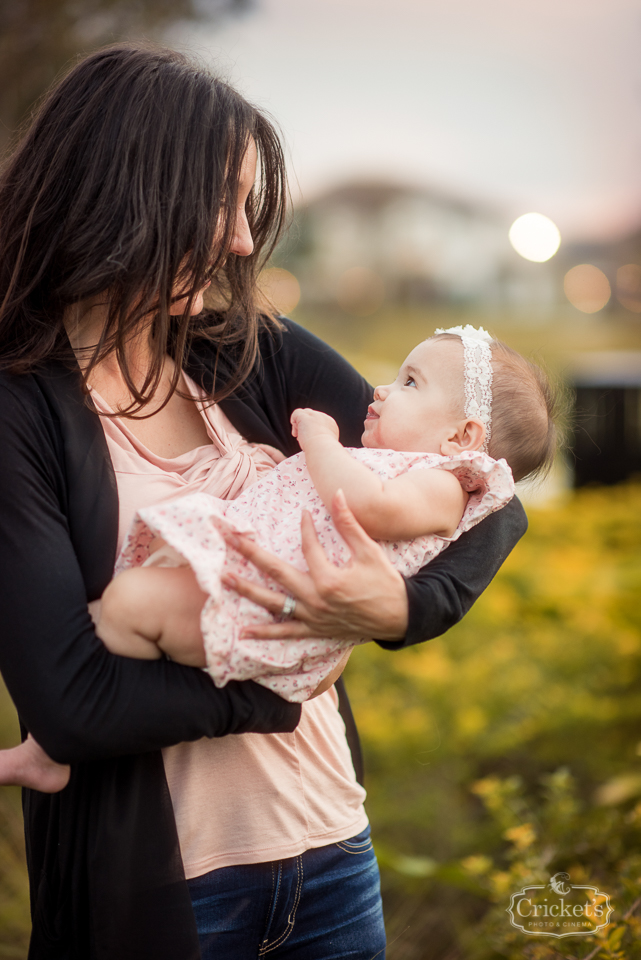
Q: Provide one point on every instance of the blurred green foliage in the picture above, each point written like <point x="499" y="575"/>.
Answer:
<point x="14" y="893"/>
<point x="509" y="749"/>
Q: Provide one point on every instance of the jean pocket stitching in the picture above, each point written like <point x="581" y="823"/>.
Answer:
<point x="274" y="897"/>
<point x="352" y="848"/>
<point x="291" y="919"/>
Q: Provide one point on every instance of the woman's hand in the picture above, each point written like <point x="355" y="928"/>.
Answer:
<point x="364" y="598"/>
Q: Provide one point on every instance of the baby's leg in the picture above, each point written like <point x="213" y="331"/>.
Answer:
<point x="148" y="610"/>
<point x="29" y="766"/>
<point x="332" y="677"/>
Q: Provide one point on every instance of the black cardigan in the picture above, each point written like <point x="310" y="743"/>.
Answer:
<point x="104" y="863"/>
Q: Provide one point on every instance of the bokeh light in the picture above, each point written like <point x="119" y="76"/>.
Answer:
<point x="535" y="237"/>
<point x="629" y="287"/>
<point x="281" y="288"/>
<point x="587" y="288"/>
<point x="360" y="291"/>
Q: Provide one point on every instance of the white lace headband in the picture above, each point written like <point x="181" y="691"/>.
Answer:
<point x="477" y="369"/>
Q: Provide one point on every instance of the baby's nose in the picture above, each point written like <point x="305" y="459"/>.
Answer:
<point x="381" y="392"/>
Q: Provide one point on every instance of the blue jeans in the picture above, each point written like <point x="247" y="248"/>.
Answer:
<point x="323" y="905"/>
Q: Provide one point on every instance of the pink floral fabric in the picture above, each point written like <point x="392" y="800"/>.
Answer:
<point x="270" y="512"/>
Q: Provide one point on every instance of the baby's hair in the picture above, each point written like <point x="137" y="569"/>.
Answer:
<point x="525" y="412"/>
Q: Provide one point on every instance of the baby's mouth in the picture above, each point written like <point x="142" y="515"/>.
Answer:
<point x="371" y="415"/>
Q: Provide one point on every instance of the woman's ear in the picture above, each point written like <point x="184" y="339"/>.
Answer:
<point x="469" y="435"/>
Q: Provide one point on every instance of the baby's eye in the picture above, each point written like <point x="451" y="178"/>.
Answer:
<point x="409" y="382"/>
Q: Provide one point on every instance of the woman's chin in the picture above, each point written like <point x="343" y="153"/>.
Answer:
<point x="177" y="308"/>
<point x="197" y="306"/>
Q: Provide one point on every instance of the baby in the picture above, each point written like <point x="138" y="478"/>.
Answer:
<point x="441" y="446"/>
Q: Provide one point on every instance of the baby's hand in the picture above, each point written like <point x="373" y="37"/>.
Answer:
<point x="308" y="424"/>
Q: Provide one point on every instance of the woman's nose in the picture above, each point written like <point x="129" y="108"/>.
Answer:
<point x="243" y="243"/>
<point x="381" y="392"/>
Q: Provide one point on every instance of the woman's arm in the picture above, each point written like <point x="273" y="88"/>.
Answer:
<point x="412" y="505"/>
<point x="79" y="701"/>
<point x="442" y="592"/>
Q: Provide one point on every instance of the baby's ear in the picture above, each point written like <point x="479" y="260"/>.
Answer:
<point x="469" y="435"/>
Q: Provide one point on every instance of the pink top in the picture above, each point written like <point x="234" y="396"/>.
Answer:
<point x="253" y="797"/>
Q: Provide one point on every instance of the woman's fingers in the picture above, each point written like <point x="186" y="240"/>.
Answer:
<point x="315" y="557"/>
<point x="363" y="598"/>
<point x="272" y="602"/>
<point x="360" y="543"/>
<point x="288" y="630"/>
<point x="269" y="599"/>
<point x="276" y="569"/>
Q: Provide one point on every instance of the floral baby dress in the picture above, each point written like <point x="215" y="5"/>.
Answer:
<point x="270" y="512"/>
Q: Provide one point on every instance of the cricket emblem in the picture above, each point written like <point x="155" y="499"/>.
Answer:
<point x="560" y="908"/>
<point x="557" y="883"/>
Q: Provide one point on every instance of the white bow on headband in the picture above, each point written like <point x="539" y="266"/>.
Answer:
<point x="477" y="370"/>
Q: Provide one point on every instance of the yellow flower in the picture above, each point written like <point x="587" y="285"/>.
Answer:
<point x="477" y="865"/>
<point x="522" y="836"/>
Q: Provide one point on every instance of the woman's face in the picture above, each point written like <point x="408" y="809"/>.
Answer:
<point x="242" y="242"/>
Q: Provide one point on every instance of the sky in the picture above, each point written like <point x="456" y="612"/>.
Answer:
<point x="522" y="105"/>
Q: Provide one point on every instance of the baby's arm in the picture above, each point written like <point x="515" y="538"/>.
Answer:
<point x="147" y="610"/>
<point x="412" y="505"/>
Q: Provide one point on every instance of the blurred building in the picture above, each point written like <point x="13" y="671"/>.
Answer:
<point x="607" y="419"/>
<point x="363" y="243"/>
<point x="618" y="262"/>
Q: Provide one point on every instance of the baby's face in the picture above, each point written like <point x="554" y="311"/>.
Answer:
<point x="419" y="411"/>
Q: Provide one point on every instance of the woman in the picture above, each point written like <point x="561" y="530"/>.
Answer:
<point x="132" y="190"/>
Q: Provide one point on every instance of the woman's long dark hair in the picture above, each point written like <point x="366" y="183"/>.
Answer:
<point x="124" y="184"/>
